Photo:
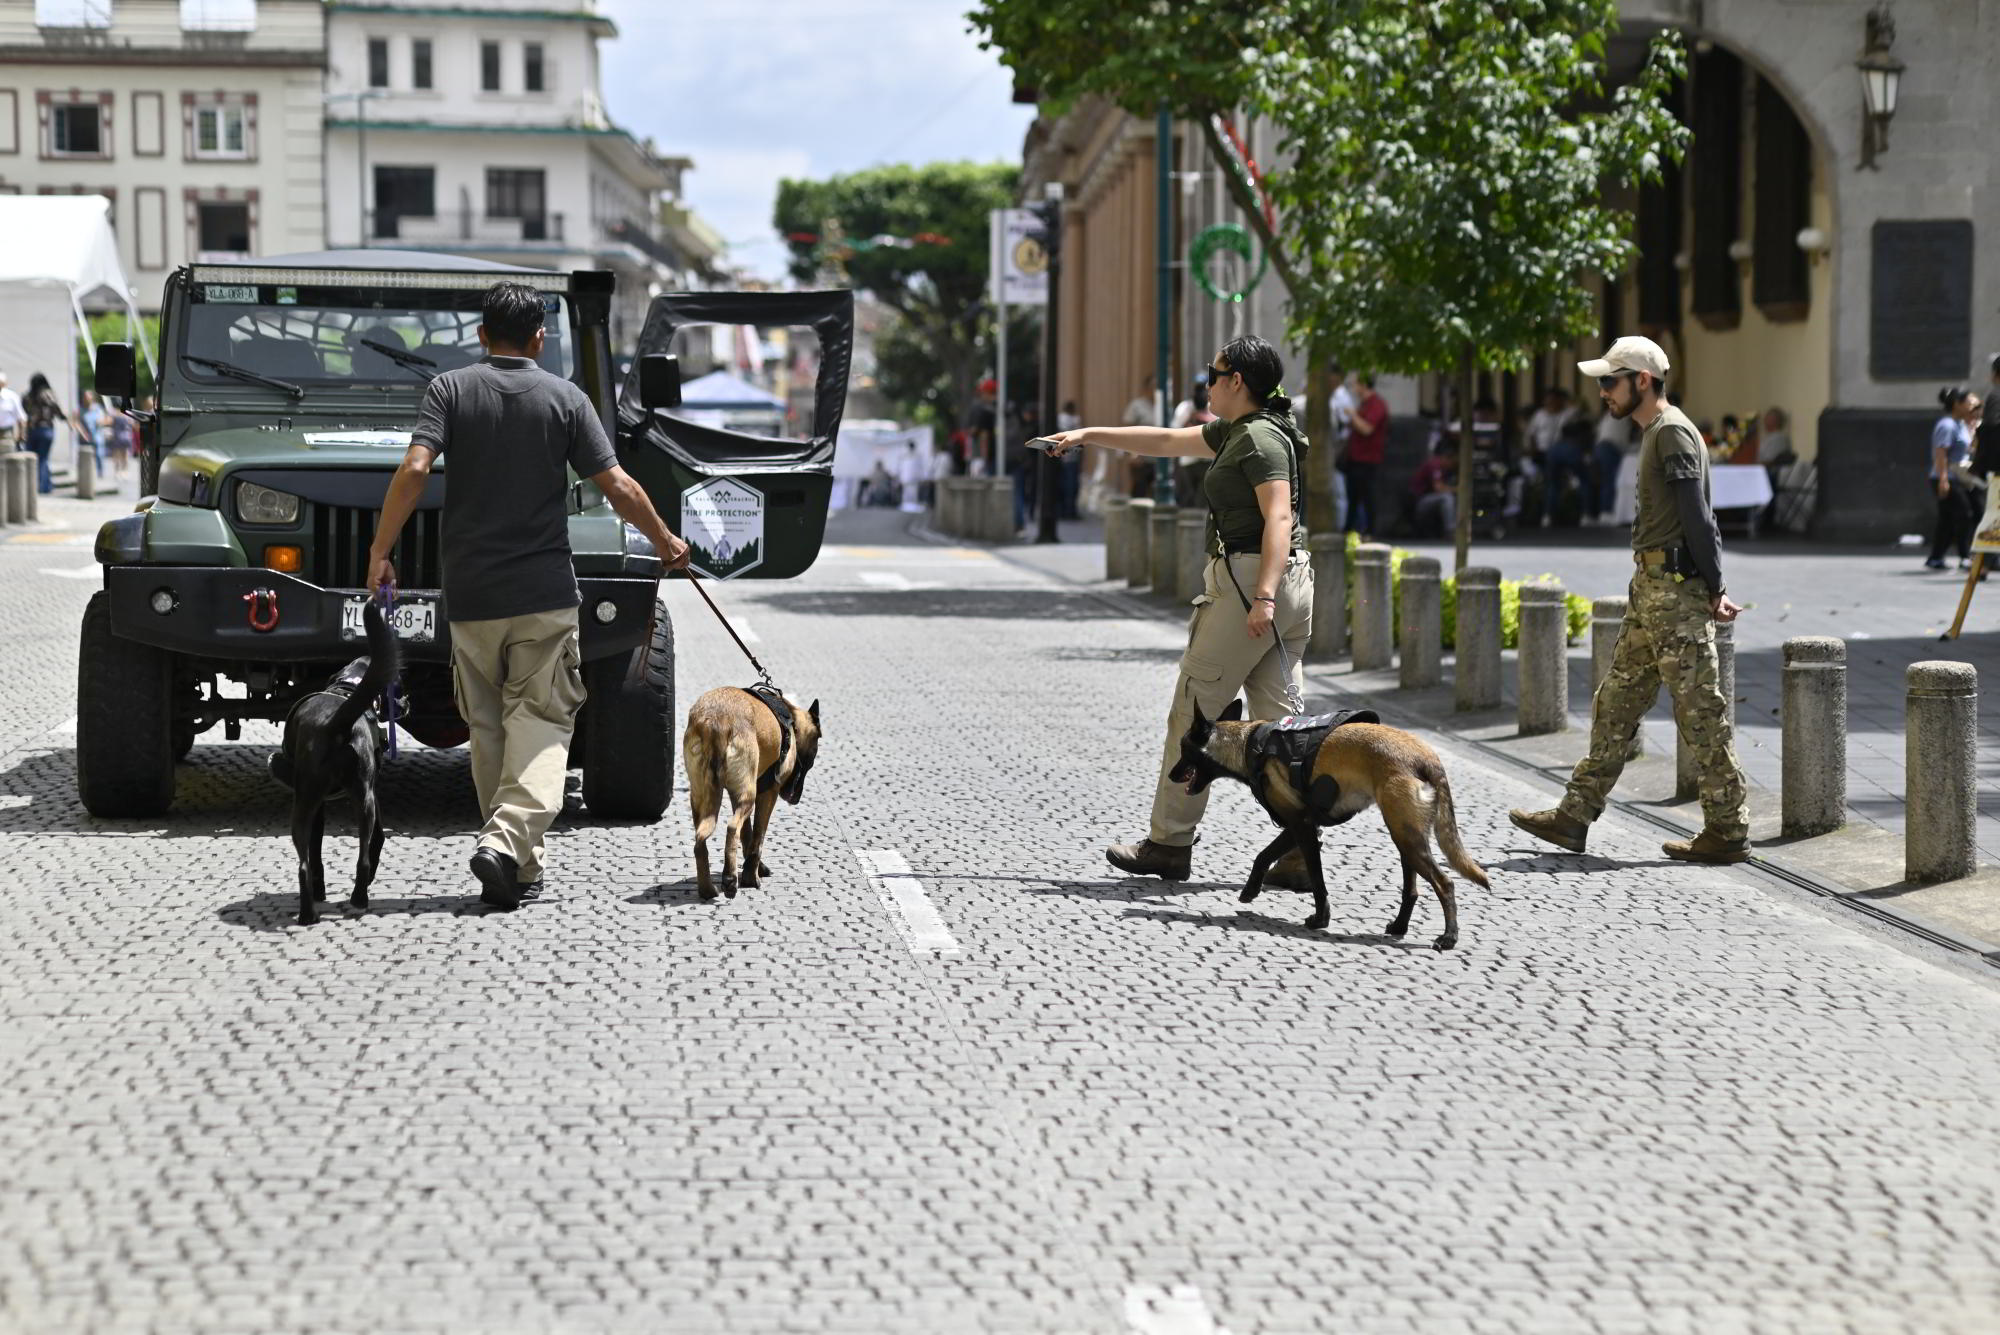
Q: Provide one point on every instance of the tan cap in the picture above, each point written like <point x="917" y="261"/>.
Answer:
<point x="1630" y="353"/>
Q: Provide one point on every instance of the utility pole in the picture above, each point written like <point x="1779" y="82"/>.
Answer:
<point x="1049" y="501"/>
<point x="1163" y="240"/>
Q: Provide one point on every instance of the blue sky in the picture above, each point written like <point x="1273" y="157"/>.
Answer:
<point x="756" y="90"/>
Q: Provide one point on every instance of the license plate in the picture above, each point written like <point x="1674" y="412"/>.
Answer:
<point x="410" y="618"/>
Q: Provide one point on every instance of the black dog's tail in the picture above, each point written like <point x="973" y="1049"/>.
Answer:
<point x="382" y="669"/>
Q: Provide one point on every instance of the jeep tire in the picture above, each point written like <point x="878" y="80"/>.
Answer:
<point x="125" y="735"/>
<point x="628" y="731"/>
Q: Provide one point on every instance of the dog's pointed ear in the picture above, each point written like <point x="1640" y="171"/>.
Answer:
<point x="813" y="710"/>
<point x="1200" y="721"/>
<point x="1232" y="712"/>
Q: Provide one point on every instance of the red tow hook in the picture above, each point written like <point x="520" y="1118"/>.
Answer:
<point x="263" y="609"/>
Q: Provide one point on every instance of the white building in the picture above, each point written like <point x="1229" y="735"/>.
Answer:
<point x="198" y="120"/>
<point x="477" y="127"/>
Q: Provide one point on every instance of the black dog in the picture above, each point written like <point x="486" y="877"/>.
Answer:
<point x="329" y="751"/>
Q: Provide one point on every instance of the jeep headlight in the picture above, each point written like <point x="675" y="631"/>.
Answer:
<point x="264" y="505"/>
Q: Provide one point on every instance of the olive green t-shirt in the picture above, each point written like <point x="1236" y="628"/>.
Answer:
<point x="1670" y="451"/>
<point x="1249" y="452"/>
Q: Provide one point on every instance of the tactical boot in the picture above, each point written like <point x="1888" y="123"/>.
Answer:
<point x="1289" y="873"/>
<point x="1555" y="827"/>
<point x="1147" y="858"/>
<point x="496" y="873"/>
<point x="1707" y="847"/>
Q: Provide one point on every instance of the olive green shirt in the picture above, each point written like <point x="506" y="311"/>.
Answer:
<point x="1670" y="451"/>
<point x="1249" y="452"/>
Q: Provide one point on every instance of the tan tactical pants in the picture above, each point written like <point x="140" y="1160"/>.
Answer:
<point x="1669" y="636"/>
<point x="519" y="682"/>
<point x="1221" y="660"/>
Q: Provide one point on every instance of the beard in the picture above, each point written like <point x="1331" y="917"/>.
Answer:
<point x="1621" y="409"/>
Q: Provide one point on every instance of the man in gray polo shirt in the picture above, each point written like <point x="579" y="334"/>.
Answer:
<point x="514" y="432"/>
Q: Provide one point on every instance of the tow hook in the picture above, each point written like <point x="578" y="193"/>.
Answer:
<point x="263" y="609"/>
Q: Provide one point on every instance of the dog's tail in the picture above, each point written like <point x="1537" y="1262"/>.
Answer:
<point x="1444" y="824"/>
<point x="382" y="668"/>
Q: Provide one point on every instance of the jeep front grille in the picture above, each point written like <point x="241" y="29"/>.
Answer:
<point x="341" y="535"/>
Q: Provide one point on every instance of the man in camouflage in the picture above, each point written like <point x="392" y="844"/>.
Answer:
<point x="1677" y="598"/>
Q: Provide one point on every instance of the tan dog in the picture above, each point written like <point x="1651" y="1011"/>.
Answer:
<point x="1371" y="764"/>
<point x="737" y="742"/>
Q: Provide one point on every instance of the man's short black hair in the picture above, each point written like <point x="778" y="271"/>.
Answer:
<point x="512" y="313"/>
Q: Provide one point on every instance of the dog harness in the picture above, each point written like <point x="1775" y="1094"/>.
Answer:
<point x="1294" y="742"/>
<point x="781" y="710"/>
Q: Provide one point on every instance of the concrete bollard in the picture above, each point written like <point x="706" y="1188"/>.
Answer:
<point x="1117" y="509"/>
<point x="1420" y="638"/>
<point x="1000" y="509"/>
<point x="1476" y="674"/>
<point x="1190" y="553"/>
<point x="1162" y="556"/>
<point x="17" y="486"/>
<point x="1542" y="689"/>
<point x="1940" y="739"/>
<point x="1687" y="776"/>
<point x="1329" y="567"/>
<point x="1607" y="622"/>
<point x="1139" y="543"/>
<point x="1812" y="792"/>
<point x="1374" y="636"/>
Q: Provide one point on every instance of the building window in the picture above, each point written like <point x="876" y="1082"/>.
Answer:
<point x="531" y="67"/>
<point x="378" y="62"/>
<point x="420" y="63"/>
<point x="76" y="130"/>
<point x="519" y="193"/>
<point x="489" y="66"/>
<point x="403" y="192"/>
<point x="223" y="228"/>
<point x="218" y="15"/>
<point x="221" y="132"/>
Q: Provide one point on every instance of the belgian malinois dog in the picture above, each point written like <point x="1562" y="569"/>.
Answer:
<point x="738" y="742"/>
<point x="330" y="750"/>
<point x="1371" y="764"/>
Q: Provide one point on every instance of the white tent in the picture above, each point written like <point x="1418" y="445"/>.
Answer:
<point x="60" y="256"/>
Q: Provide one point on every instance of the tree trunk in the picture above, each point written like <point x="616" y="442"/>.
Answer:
<point x="1318" y="463"/>
<point x="1462" y="549"/>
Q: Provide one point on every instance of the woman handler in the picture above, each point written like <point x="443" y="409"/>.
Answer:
<point x="1254" y="614"/>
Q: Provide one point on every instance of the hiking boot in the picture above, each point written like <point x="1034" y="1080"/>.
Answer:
<point x="1147" y="858"/>
<point x="1706" y="847"/>
<point x="497" y="878"/>
<point x="1553" y="827"/>
<point x="1289" y="873"/>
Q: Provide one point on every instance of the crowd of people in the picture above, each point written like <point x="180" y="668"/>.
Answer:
<point x="29" y="422"/>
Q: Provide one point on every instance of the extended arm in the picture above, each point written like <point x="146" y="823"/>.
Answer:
<point x="629" y="499"/>
<point x="1158" y="441"/>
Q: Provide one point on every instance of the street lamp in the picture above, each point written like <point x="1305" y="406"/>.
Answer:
<point x="361" y="100"/>
<point x="1881" y="82"/>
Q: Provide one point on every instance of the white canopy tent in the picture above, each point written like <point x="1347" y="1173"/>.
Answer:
<point x="60" y="257"/>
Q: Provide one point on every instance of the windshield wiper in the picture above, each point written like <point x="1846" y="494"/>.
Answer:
<point x="403" y="357"/>
<point x="245" y="373"/>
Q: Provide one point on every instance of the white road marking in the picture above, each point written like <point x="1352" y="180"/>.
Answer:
<point x="889" y="579"/>
<point x="92" y="571"/>
<point x="742" y="627"/>
<point x="67" y="725"/>
<point x="916" y="917"/>
<point x="1151" y="1310"/>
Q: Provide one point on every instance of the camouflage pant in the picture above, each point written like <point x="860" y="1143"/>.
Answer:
<point x="1669" y="635"/>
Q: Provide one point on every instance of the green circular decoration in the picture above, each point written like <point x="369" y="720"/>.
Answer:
<point x="1231" y="237"/>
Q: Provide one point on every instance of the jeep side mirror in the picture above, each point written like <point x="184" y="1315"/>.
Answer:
<point x="116" y="377"/>
<point x="659" y="381"/>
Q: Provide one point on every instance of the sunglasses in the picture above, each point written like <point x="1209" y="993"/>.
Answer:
<point x="1217" y="374"/>
<point x="1611" y="381"/>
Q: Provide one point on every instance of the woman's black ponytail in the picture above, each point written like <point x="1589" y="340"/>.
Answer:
<point x="1262" y="371"/>
<point x="1949" y="398"/>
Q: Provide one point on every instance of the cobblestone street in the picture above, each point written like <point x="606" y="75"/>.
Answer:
<point x="945" y="1071"/>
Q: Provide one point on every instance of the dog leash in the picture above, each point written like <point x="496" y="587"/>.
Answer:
<point x="691" y="578"/>
<point x="387" y="597"/>
<point x="1292" y="696"/>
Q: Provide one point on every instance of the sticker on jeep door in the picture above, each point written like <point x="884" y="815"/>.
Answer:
<point x="723" y="521"/>
<point x="397" y="440"/>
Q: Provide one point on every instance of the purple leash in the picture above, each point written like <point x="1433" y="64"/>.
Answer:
<point x="387" y="595"/>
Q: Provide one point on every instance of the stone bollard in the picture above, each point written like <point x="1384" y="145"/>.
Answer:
<point x="1687" y="776"/>
<point x="1374" y="636"/>
<point x="1607" y="622"/>
<point x="17" y="486"/>
<point x="1190" y="553"/>
<point x="1117" y="509"/>
<point x="945" y="521"/>
<point x="1000" y="509"/>
<point x="1542" y="691"/>
<point x="1476" y="675"/>
<point x="84" y="469"/>
<point x="1940" y="737"/>
<point x="1812" y="791"/>
<point x="1329" y="567"/>
<point x="1420" y="640"/>
<point x="12" y="511"/>
<point x="1162" y="556"/>
<point x="1139" y="543"/>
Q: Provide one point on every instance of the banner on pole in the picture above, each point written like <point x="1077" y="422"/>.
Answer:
<point x="1020" y="264"/>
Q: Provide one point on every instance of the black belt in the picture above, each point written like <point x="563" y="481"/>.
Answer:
<point x="1227" y="550"/>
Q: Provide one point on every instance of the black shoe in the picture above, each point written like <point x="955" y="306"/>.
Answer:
<point x="496" y="872"/>
<point x="1169" y="862"/>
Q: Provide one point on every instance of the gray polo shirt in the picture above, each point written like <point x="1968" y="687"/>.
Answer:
<point x="512" y="433"/>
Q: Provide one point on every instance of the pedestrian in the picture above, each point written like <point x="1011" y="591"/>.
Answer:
<point x="124" y="435"/>
<point x="1254" y="615"/>
<point x="1986" y="458"/>
<point x="1342" y="405"/>
<point x="911" y="476"/>
<point x="1960" y="498"/>
<point x="96" y="418"/>
<point x="1191" y="411"/>
<point x="1677" y="597"/>
<point x="1563" y="455"/>
<point x="512" y="431"/>
<point x="1607" y="455"/>
<point x="44" y="410"/>
<point x="13" y="418"/>
<point x="1434" y="490"/>
<point x="1367" y="441"/>
<point x="1142" y="410"/>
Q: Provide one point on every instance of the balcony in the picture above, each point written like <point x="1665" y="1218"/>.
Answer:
<point x="462" y="228"/>
<point x="636" y="236"/>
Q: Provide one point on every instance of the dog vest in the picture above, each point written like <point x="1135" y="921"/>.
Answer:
<point x="1294" y="742"/>
<point x="781" y="710"/>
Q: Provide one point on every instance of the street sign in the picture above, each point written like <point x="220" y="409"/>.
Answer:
<point x="1020" y="265"/>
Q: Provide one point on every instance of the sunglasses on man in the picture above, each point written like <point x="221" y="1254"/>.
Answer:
<point x="1611" y="381"/>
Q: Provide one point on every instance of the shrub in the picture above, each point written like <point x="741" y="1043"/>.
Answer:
<point x="1575" y="606"/>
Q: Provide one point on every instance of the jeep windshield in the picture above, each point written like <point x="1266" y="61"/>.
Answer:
<point x="299" y="335"/>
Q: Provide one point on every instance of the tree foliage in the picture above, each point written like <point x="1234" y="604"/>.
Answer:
<point x="915" y="237"/>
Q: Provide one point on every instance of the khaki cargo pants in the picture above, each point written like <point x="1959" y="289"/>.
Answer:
<point x="519" y="682"/>
<point x="1221" y="660"/>
<point x="1669" y="636"/>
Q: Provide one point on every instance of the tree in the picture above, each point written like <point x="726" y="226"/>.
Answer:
<point x="1448" y="167"/>
<point x="909" y="374"/>
<point x="915" y="238"/>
